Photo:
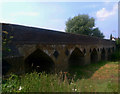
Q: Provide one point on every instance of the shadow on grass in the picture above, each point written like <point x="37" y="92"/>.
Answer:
<point x="79" y="72"/>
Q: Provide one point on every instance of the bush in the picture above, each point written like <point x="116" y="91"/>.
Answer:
<point x="11" y="85"/>
<point x="37" y="82"/>
<point x="115" y="56"/>
<point x="41" y="82"/>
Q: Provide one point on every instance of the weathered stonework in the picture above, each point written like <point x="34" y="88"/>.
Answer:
<point x="61" y="63"/>
<point x="58" y="51"/>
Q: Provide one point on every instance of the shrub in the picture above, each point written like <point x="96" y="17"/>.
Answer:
<point x="37" y="82"/>
<point x="11" y="85"/>
<point x="115" y="56"/>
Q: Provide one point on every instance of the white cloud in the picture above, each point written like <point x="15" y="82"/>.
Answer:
<point x="25" y="14"/>
<point x="108" y="1"/>
<point x="104" y="13"/>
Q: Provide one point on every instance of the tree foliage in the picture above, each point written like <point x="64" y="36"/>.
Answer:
<point x="83" y="24"/>
<point x="6" y="38"/>
<point x="118" y="43"/>
<point x="111" y="37"/>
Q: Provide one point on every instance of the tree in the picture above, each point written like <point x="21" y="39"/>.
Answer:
<point x="118" y="43"/>
<point x="96" y="32"/>
<point x="83" y="24"/>
<point x="111" y="37"/>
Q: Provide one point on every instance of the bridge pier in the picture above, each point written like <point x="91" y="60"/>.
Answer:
<point x="87" y="58"/>
<point x="60" y="56"/>
<point x="109" y="54"/>
<point x="61" y="61"/>
<point x="13" y="65"/>
<point x="106" y="55"/>
<point x="103" y="54"/>
<point x="99" y="55"/>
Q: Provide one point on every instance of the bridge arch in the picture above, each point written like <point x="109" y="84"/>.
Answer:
<point x="103" y="54"/>
<point x="94" y="56"/>
<point x="113" y="49"/>
<point x="76" y="57"/>
<point x="67" y="52"/>
<point x="84" y="51"/>
<point x="90" y="50"/>
<point x="109" y="54"/>
<point x="98" y="49"/>
<point x="5" y="66"/>
<point x="39" y="61"/>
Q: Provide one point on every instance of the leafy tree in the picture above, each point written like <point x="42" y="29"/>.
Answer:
<point x="83" y="24"/>
<point x="111" y="37"/>
<point x="96" y="32"/>
<point x="118" y="43"/>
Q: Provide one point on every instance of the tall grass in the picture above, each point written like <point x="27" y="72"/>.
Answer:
<point x="97" y="77"/>
<point x="37" y="82"/>
<point x="41" y="82"/>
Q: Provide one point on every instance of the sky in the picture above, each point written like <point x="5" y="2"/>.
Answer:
<point x="53" y="15"/>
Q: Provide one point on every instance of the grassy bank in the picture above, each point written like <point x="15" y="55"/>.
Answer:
<point x="99" y="77"/>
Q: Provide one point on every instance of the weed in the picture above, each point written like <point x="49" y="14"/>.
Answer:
<point x="99" y="77"/>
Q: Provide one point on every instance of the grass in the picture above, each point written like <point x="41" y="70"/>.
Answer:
<point x="97" y="69"/>
<point x="99" y="77"/>
<point x="116" y="55"/>
<point x="0" y="85"/>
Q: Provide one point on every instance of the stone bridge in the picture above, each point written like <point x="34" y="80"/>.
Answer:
<point x="48" y="50"/>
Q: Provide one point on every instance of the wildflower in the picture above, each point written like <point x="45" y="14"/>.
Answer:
<point x="9" y="86"/>
<point x="20" y="88"/>
<point x="38" y="66"/>
<point x="65" y="75"/>
<point x="75" y="89"/>
<point x="71" y="83"/>
<point x="90" y="85"/>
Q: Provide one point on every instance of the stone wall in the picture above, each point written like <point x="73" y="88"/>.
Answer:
<point x="56" y="47"/>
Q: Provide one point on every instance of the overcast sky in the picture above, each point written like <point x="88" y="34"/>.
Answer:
<point x="53" y="15"/>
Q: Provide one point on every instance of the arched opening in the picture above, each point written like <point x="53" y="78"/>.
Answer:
<point x="5" y="67"/>
<point x="40" y="62"/>
<point x="109" y="54"/>
<point x="103" y="54"/>
<point x="98" y="49"/>
<point x="56" y="54"/>
<point x="76" y="58"/>
<point x="94" y="56"/>
<point x="90" y="50"/>
<point x="66" y="52"/>
<point x="112" y="49"/>
<point x="84" y="51"/>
